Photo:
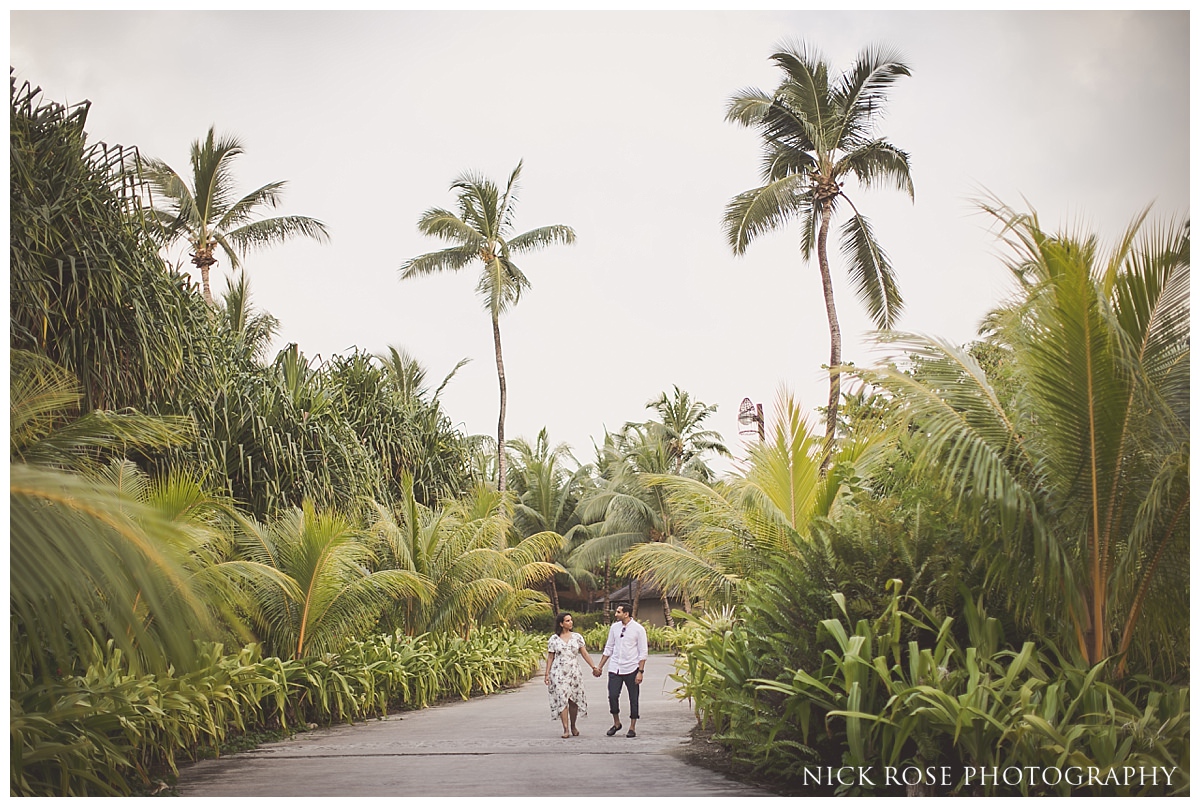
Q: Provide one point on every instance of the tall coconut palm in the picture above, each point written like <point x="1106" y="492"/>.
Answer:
<point x="817" y="130"/>
<point x="482" y="230"/>
<point x="1080" y="465"/>
<point x="208" y="213"/>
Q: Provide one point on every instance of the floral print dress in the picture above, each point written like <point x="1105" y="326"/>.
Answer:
<point x="566" y="679"/>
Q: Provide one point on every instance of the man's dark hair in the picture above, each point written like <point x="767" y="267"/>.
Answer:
<point x="623" y="606"/>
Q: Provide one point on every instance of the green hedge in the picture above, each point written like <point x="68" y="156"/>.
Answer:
<point x="109" y="729"/>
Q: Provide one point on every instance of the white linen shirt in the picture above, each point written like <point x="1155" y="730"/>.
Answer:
<point x="625" y="651"/>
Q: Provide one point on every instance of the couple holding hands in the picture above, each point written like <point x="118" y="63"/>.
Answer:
<point x="626" y="648"/>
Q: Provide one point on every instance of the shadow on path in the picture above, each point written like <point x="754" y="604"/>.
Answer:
<point x="504" y="744"/>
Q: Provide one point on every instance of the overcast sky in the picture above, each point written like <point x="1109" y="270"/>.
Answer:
<point x="619" y="117"/>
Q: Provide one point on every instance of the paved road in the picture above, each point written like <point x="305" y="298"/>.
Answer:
<point x="504" y="744"/>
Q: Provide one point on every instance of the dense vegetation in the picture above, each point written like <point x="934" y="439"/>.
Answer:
<point x="981" y="561"/>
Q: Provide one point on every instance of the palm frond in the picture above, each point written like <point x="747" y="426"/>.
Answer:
<point x="673" y="568"/>
<point x="86" y="562"/>
<point x="871" y="271"/>
<point x="541" y="237"/>
<point x="861" y="93"/>
<point x="212" y="174"/>
<point x="441" y="223"/>
<point x="241" y="211"/>
<point x="500" y="285"/>
<point x="968" y="438"/>
<point x="748" y="107"/>
<point x="450" y="259"/>
<point x="269" y="232"/>
<point x="754" y="212"/>
<point x="876" y="163"/>
<point x="779" y="161"/>
<point x="805" y="95"/>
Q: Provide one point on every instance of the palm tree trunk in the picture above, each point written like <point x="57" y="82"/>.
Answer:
<point x="667" y="611"/>
<point x="501" y="465"/>
<point x="835" y="335"/>
<point x="202" y="258"/>
<point x="554" y="596"/>
<point x="635" y="588"/>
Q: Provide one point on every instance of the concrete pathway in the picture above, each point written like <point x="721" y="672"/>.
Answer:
<point x="504" y="744"/>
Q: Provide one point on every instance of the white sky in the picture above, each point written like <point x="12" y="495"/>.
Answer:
<point x="619" y="117"/>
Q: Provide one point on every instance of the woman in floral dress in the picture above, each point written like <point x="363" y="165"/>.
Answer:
<point x="563" y="678"/>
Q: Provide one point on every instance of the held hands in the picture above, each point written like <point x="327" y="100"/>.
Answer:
<point x="595" y="672"/>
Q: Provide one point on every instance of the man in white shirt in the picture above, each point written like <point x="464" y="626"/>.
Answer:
<point x="626" y="646"/>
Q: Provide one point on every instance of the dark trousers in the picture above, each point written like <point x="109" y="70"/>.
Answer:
<point x="614" y="693"/>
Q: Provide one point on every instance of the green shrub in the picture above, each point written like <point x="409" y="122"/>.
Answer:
<point x="111" y="728"/>
<point x="877" y="698"/>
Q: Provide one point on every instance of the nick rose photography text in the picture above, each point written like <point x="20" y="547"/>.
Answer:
<point x="946" y="776"/>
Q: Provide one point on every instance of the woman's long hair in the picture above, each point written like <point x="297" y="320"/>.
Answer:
<point x="558" y="623"/>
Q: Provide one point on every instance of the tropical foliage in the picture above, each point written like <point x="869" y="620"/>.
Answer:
<point x="86" y="287"/>
<point x="899" y="690"/>
<point x="988" y="568"/>
<point x="108" y="730"/>
<point x="1082" y="465"/>
<point x="941" y="613"/>
<point x="548" y="497"/>
<point x="626" y="509"/>
<point x="86" y="559"/>
<point x="460" y="554"/>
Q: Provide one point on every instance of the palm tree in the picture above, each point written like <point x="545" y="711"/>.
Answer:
<point x="816" y="131"/>
<point x="206" y="529"/>
<point x="249" y="329"/>
<point x="208" y="214"/>
<point x="548" y="496"/>
<point x="1080" y="463"/>
<point x="408" y="375"/>
<point x="686" y="442"/>
<point x="470" y="575"/>
<point x="724" y="533"/>
<point x="329" y="593"/>
<point x="482" y="230"/>
<point x="633" y="510"/>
